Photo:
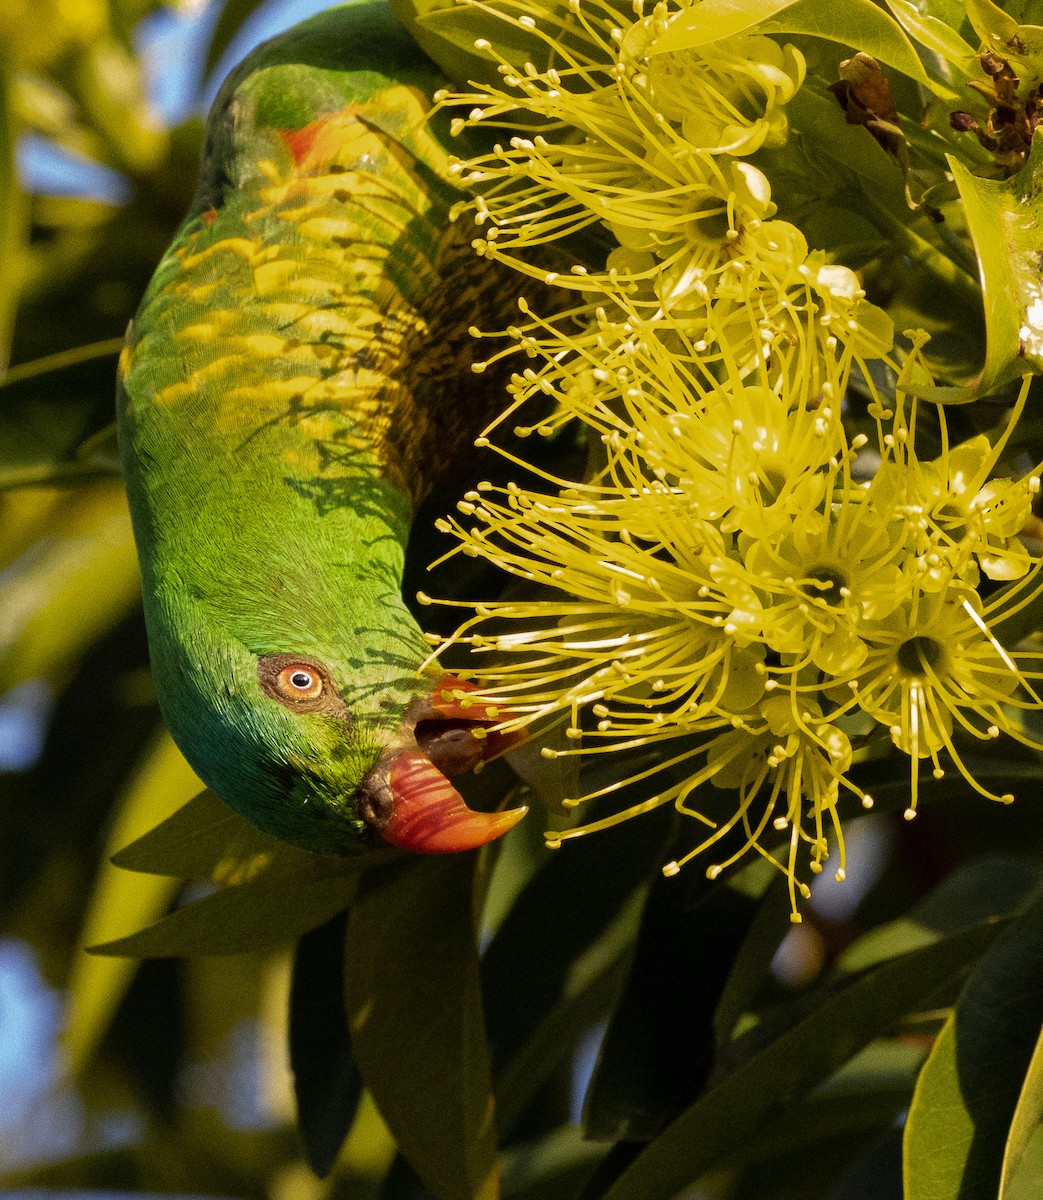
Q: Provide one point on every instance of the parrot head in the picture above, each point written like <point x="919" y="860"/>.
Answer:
<point x="333" y="756"/>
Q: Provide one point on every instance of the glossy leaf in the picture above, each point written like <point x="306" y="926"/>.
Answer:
<point x="980" y="890"/>
<point x="932" y="32"/>
<point x="860" y="24"/>
<point x="414" y="1010"/>
<point x="968" y="1091"/>
<point x="1005" y="220"/>
<point x="1027" y="1122"/>
<point x="447" y="34"/>
<point x="788" y="1067"/>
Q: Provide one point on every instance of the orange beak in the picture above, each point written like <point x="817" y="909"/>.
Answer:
<point x="408" y="794"/>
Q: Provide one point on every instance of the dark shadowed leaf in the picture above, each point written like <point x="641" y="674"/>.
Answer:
<point x="414" y="1008"/>
<point x="657" y="1052"/>
<point x="551" y="971"/>
<point x="326" y="1082"/>
<point x="251" y="916"/>
<point x="788" y="1067"/>
<point x="563" y="911"/>
<point x="49" y="408"/>
<point x="753" y="962"/>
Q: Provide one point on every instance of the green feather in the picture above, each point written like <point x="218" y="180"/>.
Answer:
<point x="288" y="394"/>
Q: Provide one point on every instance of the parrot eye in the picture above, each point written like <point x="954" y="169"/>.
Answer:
<point x="301" y="684"/>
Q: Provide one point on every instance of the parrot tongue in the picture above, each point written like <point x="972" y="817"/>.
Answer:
<point x="407" y="796"/>
<point x="429" y="816"/>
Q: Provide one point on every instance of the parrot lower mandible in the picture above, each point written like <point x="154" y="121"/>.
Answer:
<point x="296" y="380"/>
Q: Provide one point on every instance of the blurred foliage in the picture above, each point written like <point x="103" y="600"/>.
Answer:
<point x="762" y="1061"/>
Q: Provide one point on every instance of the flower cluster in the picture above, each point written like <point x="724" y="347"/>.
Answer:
<point x="740" y="595"/>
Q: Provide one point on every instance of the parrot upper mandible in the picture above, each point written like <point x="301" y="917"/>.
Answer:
<point x="297" y="378"/>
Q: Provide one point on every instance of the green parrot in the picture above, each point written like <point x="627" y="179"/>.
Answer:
<point x="297" y="378"/>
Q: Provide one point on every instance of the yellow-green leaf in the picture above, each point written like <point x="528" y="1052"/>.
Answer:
<point x="119" y="899"/>
<point x="13" y="216"/>
<point x="1028" y="1115"/>
<point x="968" y="1091"/>
<point x="860" y="24"/>
<point x="1004" y="219"/>
<point x="58" y="597"/>
<point x="207" y="840"/>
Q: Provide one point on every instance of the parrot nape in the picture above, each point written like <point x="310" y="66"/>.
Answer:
<point x="297" y="378"/>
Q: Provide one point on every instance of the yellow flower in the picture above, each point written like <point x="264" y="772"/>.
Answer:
<point x="936" y="666"/>
<point x="721" y="604"/>
<point x="646" y="147"/>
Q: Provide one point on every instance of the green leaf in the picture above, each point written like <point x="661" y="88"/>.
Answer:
<point x="255" y="915"/>
<point x="788" y="1067"/>
<point x="1026" y="1183"/>
<point x="326" y="1082"/>
<point x="860" y="24"/>
<point x="1004" y="220"/>
<point x="799" y="1154"/>
<point x="447" y="34"/>
<point x="998" y="30"/>
<point x="1028" y="1117"/>
<point x="658" y="1048"/>
<point x="207" y="840"/>
<point x="968" y="1091"/>
<point x="551" y="1167"/>
<point x="976" y="891"/>
<point x="554" y="1041"/>
<point x="415" y="1014"/>
<point x="96" y="986"/>
<point x="752" y="964"/>
<point x="524" y="972"/>
<point x="933" y="33"/>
